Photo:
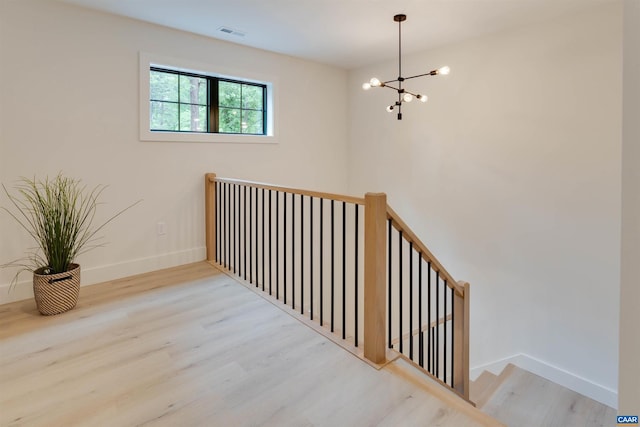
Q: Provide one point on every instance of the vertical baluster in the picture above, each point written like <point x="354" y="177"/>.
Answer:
<point x="321" y="260"/>
<point x="236" y="238"/>
<point x="223" y="210"/>
<point x="344" y="270"/>
<point x="429" y="340"/>
<point x="277" y="245"/>
<point x="390" y="280"/>
<point x="239" y="225"/>
<point x="213" y="212"/>
<point x="256" y="238"/>
<point x="411" y="300"/>
<point x="271" y="244"/>
<point x="284" y="252"/>
<point x="400" y="289"/>
<point x="250" y="234"/>
<point x="224" y="224"/>
<point x="244" y="231"/>
<point x="231" y="219"/>
<point x="301" y="254"/>
<point x="253" y="237"/>
<point x="311" y="258"/>
<point x="219" y="229"/>
<point x="355" y="263"/>
<point x="421" y="336"/>
<point x="229" y="229"/>
<point x="433" y="347"/>
<point x="453" y="338"/>
<point x="293" y="252"/>
<point x="444" y="333"/>
<point x="332" y="261"/>
<point x="264" y="266"/>
<point x="437" y="361"/>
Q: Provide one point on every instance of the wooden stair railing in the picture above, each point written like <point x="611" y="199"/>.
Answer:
<point x="342" y="261"/>
<point x="452" y="321"/>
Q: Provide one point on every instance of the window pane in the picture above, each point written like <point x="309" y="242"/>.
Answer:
<point x="164" y="116"/>
<point x="193" y="90"/>
<point x="193" y="118"/>
<point x="203" y="112"/>
<point x="180" y="103"/>
<point x="229" y="121"/>
<point x="229" y="94"/>
<point x="252" y="122"/>
<point x="163" y="86"/>
<point x="252" y="97"/>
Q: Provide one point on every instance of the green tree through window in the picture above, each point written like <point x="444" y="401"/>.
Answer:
<point x="184" y="102"/>
<point x="240" y="107"/>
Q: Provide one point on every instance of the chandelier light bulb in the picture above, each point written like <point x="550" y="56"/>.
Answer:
<point x="366" y="86"/>
<point x="390" y="108"/>
<point x="407" y="97"/>
<point x="422" y="98"/>
<point x="444" y="70"/>
<point x="374" y="82"/>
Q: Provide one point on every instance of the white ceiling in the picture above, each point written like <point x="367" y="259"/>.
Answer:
<point x="345" y="33"/>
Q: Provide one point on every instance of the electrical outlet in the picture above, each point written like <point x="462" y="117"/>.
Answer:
<point x="161" y="228"/>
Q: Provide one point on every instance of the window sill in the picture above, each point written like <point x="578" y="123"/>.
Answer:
<point x="159" y="136"/>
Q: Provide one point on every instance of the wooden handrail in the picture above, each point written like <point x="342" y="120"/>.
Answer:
<point x="410" y="236"/>
<point x="319" y="194"/>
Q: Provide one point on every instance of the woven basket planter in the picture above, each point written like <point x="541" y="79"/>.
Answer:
<point x="56" y="293"/>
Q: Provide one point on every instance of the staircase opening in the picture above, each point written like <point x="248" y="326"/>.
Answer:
<point x="349" y="264"/>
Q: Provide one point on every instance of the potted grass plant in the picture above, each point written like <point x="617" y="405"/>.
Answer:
<point x="59" y="215"/>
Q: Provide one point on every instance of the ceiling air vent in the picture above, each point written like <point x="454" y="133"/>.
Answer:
<point x="231" y="31"/>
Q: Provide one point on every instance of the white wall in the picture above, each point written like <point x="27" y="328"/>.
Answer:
<point x="69" y="102"/>
<point x="511" y="175"/>
<point x="629" y="389"/>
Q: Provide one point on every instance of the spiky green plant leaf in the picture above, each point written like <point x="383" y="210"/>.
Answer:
<point x="58" y="214"/>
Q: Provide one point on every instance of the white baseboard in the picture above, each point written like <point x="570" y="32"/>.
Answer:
<point x="552" y="373"/>
<point x="92" y="275"/>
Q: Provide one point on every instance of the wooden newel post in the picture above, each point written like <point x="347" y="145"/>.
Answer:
<point x="210" y="215"/>
<point x="375" y="267"/>
<point x="461" y="305"/>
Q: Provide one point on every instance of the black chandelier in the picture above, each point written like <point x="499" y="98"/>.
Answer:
<point x="403" y="94"/>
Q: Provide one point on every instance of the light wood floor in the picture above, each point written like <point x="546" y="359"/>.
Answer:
<point x="192" y="347"/>
<point x="520" y="398"/>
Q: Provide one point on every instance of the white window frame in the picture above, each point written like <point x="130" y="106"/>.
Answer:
<point x="148" y="60"/>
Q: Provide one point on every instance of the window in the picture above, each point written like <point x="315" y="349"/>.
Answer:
<point x="186" y="102"/>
